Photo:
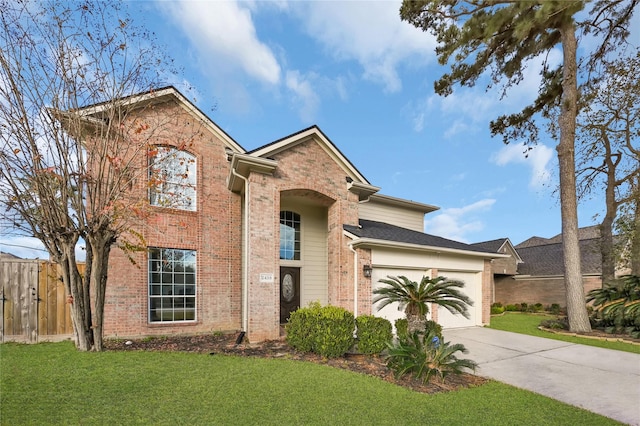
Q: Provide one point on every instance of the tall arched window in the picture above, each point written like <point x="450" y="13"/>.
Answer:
<point x="172" y="178"/>
<point x="289" y="235"/>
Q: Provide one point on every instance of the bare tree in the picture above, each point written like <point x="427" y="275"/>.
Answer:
<point x="71" y="146"/>
<point x="608" y="148"/>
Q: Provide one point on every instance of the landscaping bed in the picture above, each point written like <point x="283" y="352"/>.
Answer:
<point x="224" y="344"/>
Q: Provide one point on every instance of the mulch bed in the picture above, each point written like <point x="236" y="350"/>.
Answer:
<point x="225" y="345"/>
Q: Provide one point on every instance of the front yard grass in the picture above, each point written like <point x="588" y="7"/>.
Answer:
<point x="525" y="323"/>
<point x="52" y="383"/>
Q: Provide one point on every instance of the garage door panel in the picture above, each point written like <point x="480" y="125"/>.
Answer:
<point x="471" y="287"/>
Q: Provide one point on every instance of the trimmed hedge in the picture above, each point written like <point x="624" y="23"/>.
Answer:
<point x="324" y="330"/>
<point x="373" y="334"/>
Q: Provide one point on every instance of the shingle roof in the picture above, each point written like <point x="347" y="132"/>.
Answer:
<point x="548" y="259"/>
<point x="492" y="246"/>
<point x="586" y="233"/>
<point x="384" y="231"/>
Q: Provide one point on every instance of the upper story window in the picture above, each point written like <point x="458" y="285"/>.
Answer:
<point x="289" y="235"/>
<point x="172" y="178"/>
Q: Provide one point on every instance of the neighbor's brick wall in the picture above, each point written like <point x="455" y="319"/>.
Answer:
<point x="546" y="291"/>
<point x="214" y="231"/>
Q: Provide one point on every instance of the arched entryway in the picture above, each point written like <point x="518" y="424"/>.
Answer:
<point x="303" y="249"/>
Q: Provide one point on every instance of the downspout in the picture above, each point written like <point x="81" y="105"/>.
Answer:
<point x="245" y="257"/>
<point x="355" y="280"/>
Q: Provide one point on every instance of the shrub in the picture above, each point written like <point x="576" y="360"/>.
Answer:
<point x="433" y="328"/>
<point x="522" y="307"/>
<point x="373" y="334"/>
<point x="402" y="328"/>
<point x="324" y="330"/>
<point x="497" y="310"/>
<point x="511" y="308"/>
<point x="554" y="309"/>
<point x="556" y="324"/>
<point x="425" y="356"/>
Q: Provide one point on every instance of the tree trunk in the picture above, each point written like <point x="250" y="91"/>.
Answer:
<point x="607" y="250"/>
<point x="78" y="297"/>
<point x="415" y="323"/>
<point x="100" y="248"/>
<point x="576" y="307"/>
<point x="635" y="234"/>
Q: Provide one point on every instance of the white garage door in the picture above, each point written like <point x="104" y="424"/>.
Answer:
<point x="473" y="289"/>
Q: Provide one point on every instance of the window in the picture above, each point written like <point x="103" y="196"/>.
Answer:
<point x="172" y="285"/>
<point x="172" y="178"/>
<point x="289" y="235"/>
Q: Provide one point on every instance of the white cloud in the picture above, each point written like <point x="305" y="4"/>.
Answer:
<point x="305" y="98"/>
<point x="24" y="247"/>
<point x="538" y="159"/>
<point x="467" y="108"/>
<point x="456" y="223"/>
<point x="370" y="33"/>
<point x="224" y="31"/>
<point x="32" y="248"/>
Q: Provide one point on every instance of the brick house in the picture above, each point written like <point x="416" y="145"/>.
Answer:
<point x="534" y="272"/>
<point x="256" y="234"/>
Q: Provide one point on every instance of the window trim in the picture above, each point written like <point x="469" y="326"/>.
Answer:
<point x="157" y="194"/>
<point x="166" y="281"/>
<point x="296" y="219"/>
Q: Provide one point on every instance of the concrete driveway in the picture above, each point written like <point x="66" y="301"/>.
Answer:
<point x="603" y="381"/>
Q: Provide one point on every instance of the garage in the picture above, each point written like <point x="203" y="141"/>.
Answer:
<point x="472" y="289"/>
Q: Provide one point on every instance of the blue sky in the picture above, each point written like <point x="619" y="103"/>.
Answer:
<point x="263" y="70"/>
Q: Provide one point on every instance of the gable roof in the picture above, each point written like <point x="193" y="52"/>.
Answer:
<point x="493" y="245"/>
<point x="371" y="232"/>
<point x="500" y="245"/>
<point x="548" y="259"/>
<point x="312" y="133"/>
<point x="165" y="94"/>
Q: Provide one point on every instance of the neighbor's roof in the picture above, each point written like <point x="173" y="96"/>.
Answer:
<point x="586" y="233"/>
<point x="497" y="246"/>
<point x="548" y="259"/>
<point x="493" y="245"/>
<point x="372" y="230"/>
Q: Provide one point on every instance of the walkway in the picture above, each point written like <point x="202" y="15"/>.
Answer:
<point x="603" y="381"/>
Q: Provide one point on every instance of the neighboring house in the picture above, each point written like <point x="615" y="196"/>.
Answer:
<point x="540" y="269"/>
<point x="257" y="234"/>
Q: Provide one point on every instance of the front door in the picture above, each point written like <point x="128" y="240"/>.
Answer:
<point x="289" y="292"/>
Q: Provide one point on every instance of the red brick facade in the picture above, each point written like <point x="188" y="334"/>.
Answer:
<point x="235" y="230"/>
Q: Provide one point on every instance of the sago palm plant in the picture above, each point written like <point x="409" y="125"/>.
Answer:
<point x="426" y="356"/>
<point x="618" y="304"/>
<point x="415" y="297"/>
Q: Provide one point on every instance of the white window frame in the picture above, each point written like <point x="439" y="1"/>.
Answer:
<point x="172" y="285"/>
<point x="172" y="178"/>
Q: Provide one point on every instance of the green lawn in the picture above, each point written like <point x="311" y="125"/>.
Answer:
<point x="528" y="324"/>
<point x="52" y="383"/>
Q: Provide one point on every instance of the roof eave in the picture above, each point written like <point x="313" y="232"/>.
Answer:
<point x="371" y="242"/>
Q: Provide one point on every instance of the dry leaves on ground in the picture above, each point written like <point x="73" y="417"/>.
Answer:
<point x="215" y="344"/>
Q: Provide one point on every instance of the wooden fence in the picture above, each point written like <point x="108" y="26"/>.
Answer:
<point x="34" y="304"/>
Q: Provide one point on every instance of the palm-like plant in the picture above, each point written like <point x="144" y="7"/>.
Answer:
<point x="426" y="356"/>
<point x="619" y="304"/>
<point x="415" y="297"/>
